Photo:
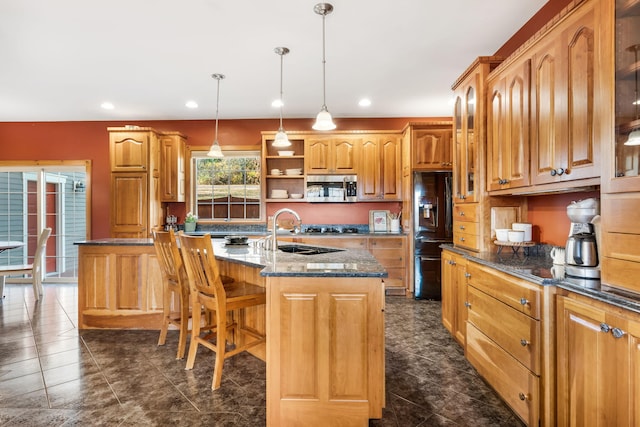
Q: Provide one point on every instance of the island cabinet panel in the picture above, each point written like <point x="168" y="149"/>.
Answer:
<point x="598" y="363"/>
<point x="325" y="352"/>
<point x="119" y="287"/>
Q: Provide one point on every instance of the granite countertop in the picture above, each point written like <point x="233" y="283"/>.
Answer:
<point x="538" y="268"/>
<point x="343" y="263"/>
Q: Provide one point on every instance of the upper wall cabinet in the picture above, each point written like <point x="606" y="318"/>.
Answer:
<point x="129" y="149"/>
<point x="331" y="155"/>
<point x="469" y="130"/>
<point x="508" y="127"/>
<point x="172" y="172"/>
<point x="430" y="146"/>
<point x="564" y="148"/>
<point x="380" y="167"/>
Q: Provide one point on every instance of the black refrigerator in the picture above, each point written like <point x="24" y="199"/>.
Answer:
<point x="433" y="226"/>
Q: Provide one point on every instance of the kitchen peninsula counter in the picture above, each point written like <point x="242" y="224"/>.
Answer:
<point x="324" y="320"/>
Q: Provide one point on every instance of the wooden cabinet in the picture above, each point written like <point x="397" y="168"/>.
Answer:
<point x="331" y="155"/>
<point x="430" y="145"/>
<point x="508" y="127"/>
<point x="391" y="253"/>
<point x="380" y="167"/>
<point x="510" y="340"/>
<point x="325" y="350"/>
<point x="469" y="129"/>
<point x="467" y="226"/>
<point x="271" y="161"/>
<point x="119" y="287"/>
<point x="454" y="295"/>
<point x="598" y="363"/>
<point x="563" y="117"/>
<point x="135" y="182"/>
<point x="172" y="170"/>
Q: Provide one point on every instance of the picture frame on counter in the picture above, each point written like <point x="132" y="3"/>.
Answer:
<point x="379" y="221"/>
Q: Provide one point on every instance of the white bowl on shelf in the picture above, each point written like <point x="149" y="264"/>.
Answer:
<point x="286" y="153"/>
<point x="295" y="196"/>
<point x="516" y="236"/>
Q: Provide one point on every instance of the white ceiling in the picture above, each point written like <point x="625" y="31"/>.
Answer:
<point x="61" y="59"/>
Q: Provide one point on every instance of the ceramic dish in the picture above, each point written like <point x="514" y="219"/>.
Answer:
<point x="296" y="196"/>
<point x="285" y="153"/>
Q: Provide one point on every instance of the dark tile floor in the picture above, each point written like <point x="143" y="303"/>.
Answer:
<point x="51" y="374"/>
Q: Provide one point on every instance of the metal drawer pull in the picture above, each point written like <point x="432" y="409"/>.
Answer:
<point x="617" y="332"/>
<point x="462" y="227"/>
<point x="522" y="396"/>
<point x="524" y="342"/>
<point x="604" y="327"/>
<point x="462" y="213"/>
<point x="467" y="304"/>
<point x="524" y="301"/>
<point x="467" y="275"/>
<point x="462" y="239"/>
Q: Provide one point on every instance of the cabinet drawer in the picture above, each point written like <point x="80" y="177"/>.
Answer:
<point x="467" y="227"/>
<point x="386" y="242"/>
<point x="513" y="382"/>
<point x="620" y="273"/>
<point x="465" y="240"/>
<point x="517" y="293"/>
<point x="466" y="212"/>
<point x="621" y="213"/>
<point x="512" y="330"/>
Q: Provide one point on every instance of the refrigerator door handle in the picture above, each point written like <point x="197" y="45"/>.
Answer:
<point x="428" y="258"/>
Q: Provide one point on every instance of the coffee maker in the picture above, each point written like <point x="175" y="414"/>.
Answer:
<point x="581" y="251"/>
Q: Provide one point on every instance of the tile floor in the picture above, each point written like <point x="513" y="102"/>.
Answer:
<point x="51" y="374"/>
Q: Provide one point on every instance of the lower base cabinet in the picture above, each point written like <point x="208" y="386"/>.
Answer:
<point x="598" y="363"/>
<point x="454" y="295"/>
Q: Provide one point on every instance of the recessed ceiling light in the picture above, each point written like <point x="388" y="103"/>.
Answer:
<point x="277" y="103"/>
<point x="191" y="104"/>
<point x="364" y="102"/>
<point x="107" y="106"/>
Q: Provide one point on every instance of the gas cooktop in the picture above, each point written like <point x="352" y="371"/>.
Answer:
<point x="331" y="230"/>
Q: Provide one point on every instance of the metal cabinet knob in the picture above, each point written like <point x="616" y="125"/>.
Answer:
<point x="462" y="227"/>
<point x="467" y="304"/>
<point x="524" y="342"/>
<point x="462" y="239"/>
<point x="617" y="332"/>
<point x="560" y="171"/>
<point x="462" y="213"/>
<point x="522" y="396"/>
<point x="467" y="275"/>
<point x="524" y="301"/>
<point x="605" y="328"/>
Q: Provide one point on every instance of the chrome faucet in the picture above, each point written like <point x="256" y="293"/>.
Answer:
<point x="273" y="245"/>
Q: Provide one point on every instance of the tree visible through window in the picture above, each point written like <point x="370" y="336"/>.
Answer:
<point x="227" y="188"/>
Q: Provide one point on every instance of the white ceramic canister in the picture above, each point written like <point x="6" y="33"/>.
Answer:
<point x="523" y="226"/>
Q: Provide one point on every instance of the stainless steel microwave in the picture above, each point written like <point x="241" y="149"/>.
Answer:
<point x="332" y="188"/>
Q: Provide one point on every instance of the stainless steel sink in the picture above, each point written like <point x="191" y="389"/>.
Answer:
<point x="307" y="250"/>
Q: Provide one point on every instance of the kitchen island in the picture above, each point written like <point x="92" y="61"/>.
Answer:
<point x="324" y="320"/>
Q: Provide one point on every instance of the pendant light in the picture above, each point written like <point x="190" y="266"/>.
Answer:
<point x="634" y="136"/>
<point x="215" y="150"/>
<point x="323" y="120"/>
<point x="281" y="139"/>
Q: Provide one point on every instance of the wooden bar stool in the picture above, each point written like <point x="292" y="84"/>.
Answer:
<point x="208" y="291"/>
<point x="175" y="285"/>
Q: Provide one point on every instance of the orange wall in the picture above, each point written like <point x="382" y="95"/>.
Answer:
<point x="90" y="141"/>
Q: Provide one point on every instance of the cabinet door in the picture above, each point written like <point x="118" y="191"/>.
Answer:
<point x="369" y="170"/>
<point x="432" y="149"/>
<point x="458" y="151"/>
<point x="343" y="155"/>
<point x="172" y="170"/>
<point x="129" y="205"/>
<point x="129" y="151"/>
<point x="448" y="292"/>
<point x="594" y="388"/>
<point x="508" y="128"/>
<point x="564" y="147"/>
<point x="316" y="154"/>
<point x="391" y="173"/>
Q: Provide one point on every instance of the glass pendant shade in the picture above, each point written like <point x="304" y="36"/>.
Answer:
<point x="281" y="139"/>
<point x="215" y="151"/>
<point x="634" y="138"/>
<point x="324" y="120"/>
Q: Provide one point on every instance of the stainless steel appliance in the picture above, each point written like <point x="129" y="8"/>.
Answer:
<point x="432" y="214"/>
<point x="332" y="188"/>
<point x="581" y="251"/>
